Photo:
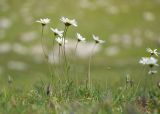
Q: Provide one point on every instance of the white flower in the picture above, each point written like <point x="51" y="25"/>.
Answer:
<point x="57" y="32"/>
<point x="143" y="60"/>
<point x="44" y="21"/>
<point x="97" y="40"/>
<point x="151" y="61"/>
<point x="80" y="38"/>
<point x="152" y="52"/>
<point x="69" y="22"/>
<point x="152" y="72"/>
<point x="60" y="40"/>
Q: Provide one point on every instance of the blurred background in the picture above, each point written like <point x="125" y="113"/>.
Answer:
<point x="127" y="26"/>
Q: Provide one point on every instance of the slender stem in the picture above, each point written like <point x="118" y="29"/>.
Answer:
<point x="76" y="47"/>
<point x="89" y="67"/>
<point x="53" y="50"/>
<point x="42" y="43"/>
<point x="45" y="53"/>
<point x="64" y="46"/>
<point x="59" y="53"/>
<point x="75" y="67"/>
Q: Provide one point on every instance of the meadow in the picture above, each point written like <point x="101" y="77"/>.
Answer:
<point x="119" y="84"/>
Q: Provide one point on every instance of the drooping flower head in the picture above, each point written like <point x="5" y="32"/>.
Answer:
<point x="80" y="37"/>
<point x="60" y="41"/>
<point x="68" y="22"/>
<point x="44" y="21"/>
<point x="151" y="61"/>
<point x="57" y="32"/>
<point x="97" y="40"/>
<point x="152" y="52"/>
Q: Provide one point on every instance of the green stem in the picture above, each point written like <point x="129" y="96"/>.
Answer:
<point x="45" y="53"/>
<point x="89" y="67"/>
<point x="64" y="46"/>
<point x="76" y="47"/>
<point x="42" y="43"/>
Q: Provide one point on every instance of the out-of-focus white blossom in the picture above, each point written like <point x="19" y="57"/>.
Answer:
<point x="69" y="22"/>
<point x="97" y="40"/>
<point x="80" y="37"/>
<point x="57" y="32"/>
<point x="44" y="21"/>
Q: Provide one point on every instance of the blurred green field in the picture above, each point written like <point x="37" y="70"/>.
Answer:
<point x="127" y="26"/>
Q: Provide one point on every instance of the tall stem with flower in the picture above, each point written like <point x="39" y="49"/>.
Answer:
<point x="80" y="38"/>
<point x="151" y="62"/>
<point x="67" y="22"/>
<point x="44" y="22"/>
<point x="97" y="41"/>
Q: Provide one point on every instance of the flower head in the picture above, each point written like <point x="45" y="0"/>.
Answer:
<point x="68" y="22"/>
<point x="152" y="72"/>
<point x="97" y="40"/>
<point x="152" y="52"/>
<point x="57" y="32"/>
<point x="143" y="60"/>
<point x="44" y="21"/>
<point x="60" y="40"/>
<point x="151" y="61"/>
<point x="80" y="38"/>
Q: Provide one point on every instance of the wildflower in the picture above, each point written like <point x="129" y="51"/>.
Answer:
<point x="60" y="40"/>
<point x="44" y="21"/>
<point x="57" y="32"/>
<point x="151" y="61"/>
<point x="68" y="22"/>
<point x="152" y="52"/>
<point x="152" y="72"/>
<point x="143" y="60"/>
<point x="97" y="40"/>
<point x="80" y="38"/>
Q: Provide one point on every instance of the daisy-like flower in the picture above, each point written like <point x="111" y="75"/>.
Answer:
<point x="152" y="52"/>
<point x="80" y="38"/>
<point x="68" y="22"/>
<point x="57" y="32"/>
<point x="97" y="40"/>
<point x="152" y="72"/>
<point x="143" y="60"/>
<point x="44" y="21"/>
<point x="60" y="40"/>
<point x="151" y="61"/>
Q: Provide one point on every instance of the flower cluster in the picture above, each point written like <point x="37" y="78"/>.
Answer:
<point x="150" y="61"/>
<point x="60" y="34"/>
